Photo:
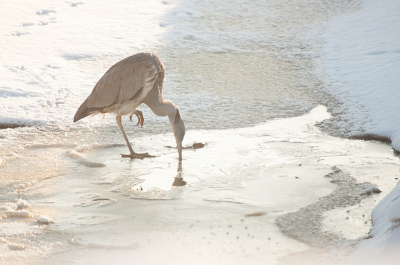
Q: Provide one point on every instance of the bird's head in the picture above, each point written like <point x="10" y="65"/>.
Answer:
<point x="178" y="128"/>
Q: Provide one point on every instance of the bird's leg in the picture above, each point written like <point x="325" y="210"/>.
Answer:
<point x="133" y="154"/>
<point x="124" y="134"/>
<point x="139" y="115"/>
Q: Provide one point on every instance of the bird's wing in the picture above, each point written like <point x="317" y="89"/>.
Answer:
<point x="121" y="82"/>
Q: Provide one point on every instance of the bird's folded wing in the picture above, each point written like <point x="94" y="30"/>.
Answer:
<point x="121" y="82"/>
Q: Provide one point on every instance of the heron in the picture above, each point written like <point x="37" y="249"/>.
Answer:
<point x="124" y="87"/>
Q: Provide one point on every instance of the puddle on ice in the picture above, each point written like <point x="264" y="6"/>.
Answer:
<point x="221" y="203"/>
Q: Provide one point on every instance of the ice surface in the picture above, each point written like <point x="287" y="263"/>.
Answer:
<point x="230" y="194"/>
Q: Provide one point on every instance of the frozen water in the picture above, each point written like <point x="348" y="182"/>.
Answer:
<point x="231" y="194"/>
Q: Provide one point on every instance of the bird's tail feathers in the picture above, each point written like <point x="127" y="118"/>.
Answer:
<point x="83" y="112"/>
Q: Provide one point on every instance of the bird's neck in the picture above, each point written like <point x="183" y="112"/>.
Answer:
<point x="163" y="108"/>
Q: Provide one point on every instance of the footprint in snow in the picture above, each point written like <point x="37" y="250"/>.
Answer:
<point x="45" y="12"/>
<point x="19" y="33"/>
<point x="75" y="4"/>
<point x="27" y="24"/>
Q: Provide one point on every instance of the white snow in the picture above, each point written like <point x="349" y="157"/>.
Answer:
<point x="44" y="220"/>
<point x="18" y="214"/>
<point x="22" y="204"/>
<point x="362" y="64"/>
<point x="16" y="210"/>
<point x="382" y="247"/>
<point x="54" y="52"/>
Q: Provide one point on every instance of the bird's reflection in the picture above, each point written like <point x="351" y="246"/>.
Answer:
<point x="178" y="181"/>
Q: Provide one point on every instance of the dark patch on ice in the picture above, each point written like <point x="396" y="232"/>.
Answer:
<point x="371" y="190"/>
<point x="100" y="199"/>
<point x="138" y="156"/>
<point x="198" y="145"/>
<point x="193" y="146"/>
<point x="375" y="137"/>
<point x="330" y="127"/>
<point x="372" y="137"/>
<point x="305" y="225"/>
<point x="255" y="214"/>
<point x="11" y="125"/>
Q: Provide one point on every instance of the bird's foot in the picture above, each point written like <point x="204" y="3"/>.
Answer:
<point x="139" y="115"/>
<point x="137" y="155"/>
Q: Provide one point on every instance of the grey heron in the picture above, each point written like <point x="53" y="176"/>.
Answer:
<point x="126" y="85"/>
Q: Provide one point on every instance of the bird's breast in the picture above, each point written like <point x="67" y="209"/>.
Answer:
<point x="128" y="106"/>
<point x="123" y="108"/>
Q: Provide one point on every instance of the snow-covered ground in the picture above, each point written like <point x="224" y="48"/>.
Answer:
<point x="383" y="245"/>
<point x="53" y="52"/>
<point x="362" y="66"/>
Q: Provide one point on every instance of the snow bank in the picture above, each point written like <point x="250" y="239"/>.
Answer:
<point x="382" y="247"/>
<point x="362" y="65"/>
<point x="54" y="52"/>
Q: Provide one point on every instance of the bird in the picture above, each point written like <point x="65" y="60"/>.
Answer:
<point x="125" y="86"/>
